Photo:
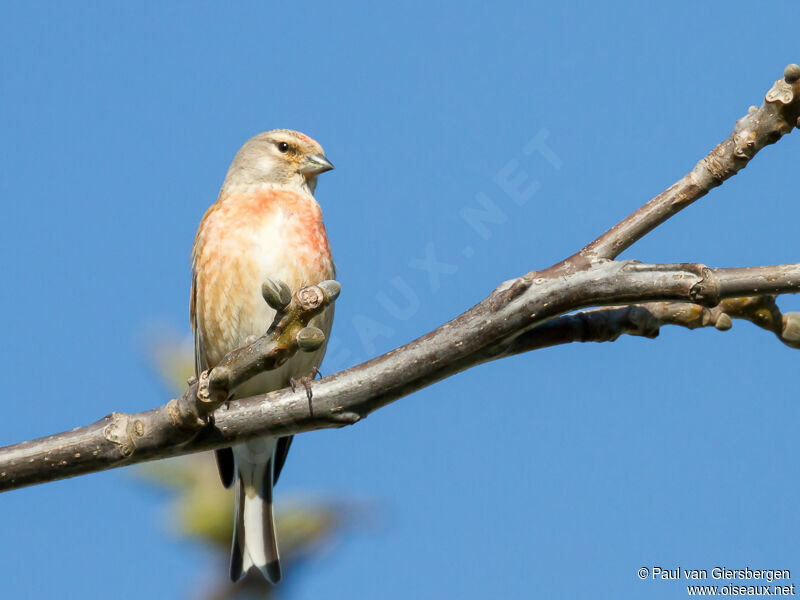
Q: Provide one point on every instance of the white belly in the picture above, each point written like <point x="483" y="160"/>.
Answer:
<point x="276" y="261"/>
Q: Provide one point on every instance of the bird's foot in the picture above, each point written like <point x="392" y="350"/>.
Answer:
<point x="306" y="383"/>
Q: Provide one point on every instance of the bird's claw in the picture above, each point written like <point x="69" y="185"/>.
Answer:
<point x="306" y="383"/>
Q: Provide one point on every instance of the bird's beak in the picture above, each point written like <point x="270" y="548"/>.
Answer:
<point x="315" y="164"/>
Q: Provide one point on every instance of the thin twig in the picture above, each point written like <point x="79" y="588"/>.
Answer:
<point x="760" y="127"/>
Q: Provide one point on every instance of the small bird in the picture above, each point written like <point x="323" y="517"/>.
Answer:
<point x="265" y="224"/>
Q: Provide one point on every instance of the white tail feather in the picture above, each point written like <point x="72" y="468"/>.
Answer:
<point x="254" y="542"/>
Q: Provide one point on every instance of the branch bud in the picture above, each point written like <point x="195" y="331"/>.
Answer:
<point x="791" y="327"/>
<point x="331" y="288"/>
<point x="723" y="322"/>
<point x="310" y="339"/>
<point x="276" y="293"/>
<point x="791" y="73"/>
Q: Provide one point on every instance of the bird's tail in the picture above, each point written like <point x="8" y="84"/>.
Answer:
<point x="254" y="542"/>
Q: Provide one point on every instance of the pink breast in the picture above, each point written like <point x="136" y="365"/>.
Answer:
<point x="244" y="237"/>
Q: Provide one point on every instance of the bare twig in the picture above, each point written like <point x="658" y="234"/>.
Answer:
<point x="509" y="321"/>
<point x="760" y="127"/>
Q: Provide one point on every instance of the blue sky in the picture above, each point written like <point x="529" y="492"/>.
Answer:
<point x="556" y="474"/>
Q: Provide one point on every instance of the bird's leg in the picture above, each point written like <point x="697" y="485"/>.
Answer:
<point x="316" y="372"/>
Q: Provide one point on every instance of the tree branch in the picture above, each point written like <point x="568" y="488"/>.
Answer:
<point x="483" y="333"/>
<point x="646" y="320"/>
<point x="507" y="322"/>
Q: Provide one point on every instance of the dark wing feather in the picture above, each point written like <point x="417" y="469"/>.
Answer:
<point x="237" y="551"/>
<point x="281" y="452"/>
<point x="225" y="465"/>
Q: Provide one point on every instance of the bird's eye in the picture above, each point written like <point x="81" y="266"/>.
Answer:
<point x="283" y="147"/>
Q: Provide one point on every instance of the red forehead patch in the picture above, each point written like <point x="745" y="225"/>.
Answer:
<point x="305" y="138"/>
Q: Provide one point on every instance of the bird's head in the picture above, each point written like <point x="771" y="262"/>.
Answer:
<point x="280" y="157"/>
